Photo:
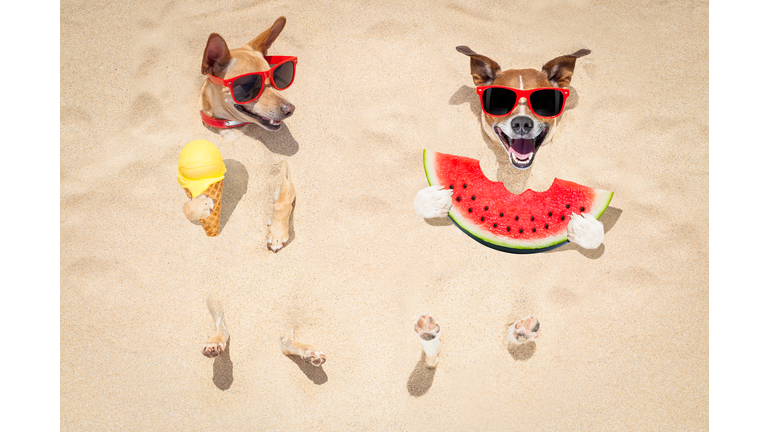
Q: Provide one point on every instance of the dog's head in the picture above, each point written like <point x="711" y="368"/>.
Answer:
<point x="521" y="132"/>
<point x="271" y="108"/>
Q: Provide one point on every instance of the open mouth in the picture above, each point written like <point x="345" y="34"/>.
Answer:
<point x="521" y="150"/>
<point x="263" y="121"/>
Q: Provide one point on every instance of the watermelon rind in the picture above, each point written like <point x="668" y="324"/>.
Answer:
<point x="599" y="205"/>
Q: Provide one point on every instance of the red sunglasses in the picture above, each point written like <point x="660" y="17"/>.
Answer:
<point x="498" y="101"/>
<point x="248" y="87"/>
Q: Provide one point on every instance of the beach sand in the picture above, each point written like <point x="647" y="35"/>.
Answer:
<point x="624" y="340"/>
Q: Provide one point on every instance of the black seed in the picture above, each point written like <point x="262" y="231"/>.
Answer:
<point x="534" y="230"/>
<point x="507" y="229"/>
<point x="458" y="198"/>
<point x="582" y="208"/>
<point x="465" y="185"/>
<point x="546" y="226"/>
<point x="567" y="206"/>
<point x="550" y="214"/>
<point x="451" y="186"/>
<point x="482" y="219"/>
<point x="473" y="197"/>
<point x="531" y="218"/>
<point x="521" y="230"/>
<point x="470" y="209"/>
<point x="501" y="214"/>
<point x="486" y="208"/>
<point x="517" y="217"/>
<point x="562" y="217"/>
<point x="495" y="225"/>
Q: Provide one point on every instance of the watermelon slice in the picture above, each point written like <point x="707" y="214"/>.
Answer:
<point x="526" y="223"/>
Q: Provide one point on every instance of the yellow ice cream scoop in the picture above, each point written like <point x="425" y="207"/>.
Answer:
<point x="200" y="165"/>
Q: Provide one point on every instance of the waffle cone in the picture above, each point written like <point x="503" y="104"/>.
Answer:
<point x="211" y="223"/>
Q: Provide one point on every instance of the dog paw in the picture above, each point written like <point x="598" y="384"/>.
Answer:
<point x="315" y="358"/>
<point x="524" y="330"/>
<point x="231" y="134"/>
<point x="585" y="231"/>
<point x="426" y="327"/>
<point x="433" y="202"/>
<point x="275" y="242"/>
<point x="213" y="349"/>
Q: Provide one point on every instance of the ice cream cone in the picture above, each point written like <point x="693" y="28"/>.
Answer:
<point x="211" y="223"/>
<point x="201" y="171"/>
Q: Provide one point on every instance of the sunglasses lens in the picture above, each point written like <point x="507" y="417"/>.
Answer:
<point x="246" y="88"/>
<point x="283" y="75"/>
<point x="498" y="101"/>
<point x="547" y="103"/>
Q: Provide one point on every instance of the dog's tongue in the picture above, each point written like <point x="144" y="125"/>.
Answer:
<point x="522" y="148"/>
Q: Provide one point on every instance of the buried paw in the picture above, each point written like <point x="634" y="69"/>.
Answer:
<point x="213" y="348"/>
<point x="315" y="358"/>
<point x="231" y="134"/>
<point x="585" y="231"/>
<point x="433" y="202"/>
<point x="524" y="330"/>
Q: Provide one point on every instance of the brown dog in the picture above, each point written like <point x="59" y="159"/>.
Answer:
<point x="521" y="132"/>
<point x="219" y="109"/>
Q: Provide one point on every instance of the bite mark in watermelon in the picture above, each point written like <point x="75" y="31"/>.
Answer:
<point x="526" y="223"/>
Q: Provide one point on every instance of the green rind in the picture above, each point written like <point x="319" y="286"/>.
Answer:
<point x="601" y="204"/>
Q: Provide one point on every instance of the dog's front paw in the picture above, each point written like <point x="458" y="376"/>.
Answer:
<point x="433" y="202"/>
<point x="315" y="358"/>
<point x="231" y="134"/>
<point x="586" y="231"/>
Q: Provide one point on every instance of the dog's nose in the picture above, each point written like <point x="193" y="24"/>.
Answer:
<point x="522" y="125"/>
<point x="288" y="109"/>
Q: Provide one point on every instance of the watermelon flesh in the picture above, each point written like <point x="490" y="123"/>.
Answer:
<point x="489" y="213"/>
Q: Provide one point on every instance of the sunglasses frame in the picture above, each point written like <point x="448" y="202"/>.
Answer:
<point x="275" y="61"/>
<point x="527" y="95"/>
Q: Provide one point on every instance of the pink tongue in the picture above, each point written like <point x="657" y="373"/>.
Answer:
<point x="522" y="148"/>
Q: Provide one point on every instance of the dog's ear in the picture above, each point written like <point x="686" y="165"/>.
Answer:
<point x="216" y="56"/>
<point x="560" y="70"/>
<point x="483" y="69"/>
<point x="265" y="40"/>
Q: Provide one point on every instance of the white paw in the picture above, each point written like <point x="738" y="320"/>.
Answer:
<point x="433" y="202"/>
<point x="230" y="134"/>
<point x="585" y="231"/>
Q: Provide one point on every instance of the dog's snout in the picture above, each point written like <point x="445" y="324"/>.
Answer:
<point x="522" y="125"/>
<point x="288" y="109"/>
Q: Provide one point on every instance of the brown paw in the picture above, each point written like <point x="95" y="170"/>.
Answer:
<point x="315" y="358"/>
<point x="212" y="350"/>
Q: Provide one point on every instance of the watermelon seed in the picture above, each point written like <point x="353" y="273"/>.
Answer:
<point x="521" y="230"/>
<point x="582" y="208"/>
<point x="470" y="209"/>
<point x="550" y="214"/>
<point x="546" y="226"/>
<point x="507" y="229"/>
<point x="458" y="198"/>
<point x="465" y="185"/>
<point x="531" y="218"/>
<point x="495" y="225"/>
<point x="486" y="208"/>
<point x="534" y="230"/>
<point x="562" y="217"/>
<point x="473" y="197"/>
<point x="482" y="219"/>
<point x="501" y="214"/>
<point x="517" y="217"/>
<point x="451" y="186"/>
<point x="567" y="206"/>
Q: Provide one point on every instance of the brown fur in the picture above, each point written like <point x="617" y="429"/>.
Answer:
<point x="308" y="353"/>
<point x="218" y="60"/>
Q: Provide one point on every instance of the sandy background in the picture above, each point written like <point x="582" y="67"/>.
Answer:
<point x="624" y="342"/>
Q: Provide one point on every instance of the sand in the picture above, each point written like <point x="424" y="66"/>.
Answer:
<point x="624" y="341"/>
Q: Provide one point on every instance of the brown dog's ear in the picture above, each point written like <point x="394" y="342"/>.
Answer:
<point x="265" y="40"/>
<point x="483" y="69"/>
<point x="560" y="70"/>
<point x="216" y="56"/>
